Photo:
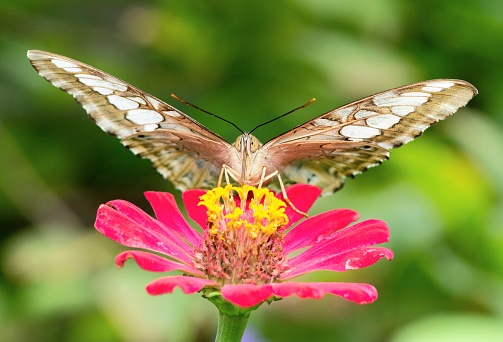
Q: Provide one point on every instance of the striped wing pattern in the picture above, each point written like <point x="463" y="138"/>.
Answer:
<point x="182" y="150"/>
<point x="348" y="140"/>
<point x="324" y="151"/>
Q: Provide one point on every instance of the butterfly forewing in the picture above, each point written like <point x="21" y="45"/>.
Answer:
<point x="323" y="152"/>
<point x="359" y="135"/>
<point x="175" y="143"/>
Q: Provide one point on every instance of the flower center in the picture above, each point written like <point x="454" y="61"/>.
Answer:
<point x="244" y="235"/>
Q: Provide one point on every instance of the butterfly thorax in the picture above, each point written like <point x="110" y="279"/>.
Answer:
<point x="247" y="146"/>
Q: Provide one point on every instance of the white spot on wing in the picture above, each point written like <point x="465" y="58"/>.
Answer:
<point x="150" y="127"/>
<point x="327" y="122"/>
<point x="102" y="84"/>
<point x="415" y="93"/>
<point x="345" y="112"/>
<point x="154" y="102"/>
<point x="432" y="89"/>
<point x="63" y="64"/>
<point x="384" y="121"/>
<point x="87" y="76"/>
<point x="138" y="99"/>
<point x="401" y="101"/>
<point x="103" y="91"/>
<point x="122" y="103"/>
<point x="172" y="113"/>
<point x="359" y="132"/>
<point x="72" y="70"/>
<point x="402" y="110"/>
<point x="382" y="98"/>
<point x="144" y="116"/>
<point x="440" y="84"/>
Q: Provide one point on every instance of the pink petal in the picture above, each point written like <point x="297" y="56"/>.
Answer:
<point x="246" y="295"/>
<point x="317" y="228"/>
<point x="188" y="285"/>
<point x="350" y="260"/>
<point x="166" y="210"/>
<point x="154" y="263"/>
<point x="198" y="213"/>
<point x="362" y="234"/>
<point x="303" y="197"/>
<point x="355" y="292"/>
<point x="128" y="225"/>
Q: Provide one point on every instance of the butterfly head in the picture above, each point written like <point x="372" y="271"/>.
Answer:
<point x="247" y="144"/>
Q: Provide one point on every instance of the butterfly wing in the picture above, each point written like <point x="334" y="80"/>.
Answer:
<point x="182" y="150"/>
<point x="350" y="139"/>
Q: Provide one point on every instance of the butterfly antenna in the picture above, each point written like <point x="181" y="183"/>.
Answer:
<point x="205" y="111"/>
<point x="290" y="112"/>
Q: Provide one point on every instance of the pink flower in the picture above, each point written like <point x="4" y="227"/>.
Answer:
<point x="246" y="253"/>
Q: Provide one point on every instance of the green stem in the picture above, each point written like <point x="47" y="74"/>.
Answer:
<point x="231" y="328"/>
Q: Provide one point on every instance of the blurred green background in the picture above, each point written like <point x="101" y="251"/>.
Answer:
<point x="250" y="61"/>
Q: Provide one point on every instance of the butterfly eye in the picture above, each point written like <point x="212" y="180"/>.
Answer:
<point x="254" y="144"/>
<point x="237" y="143"/>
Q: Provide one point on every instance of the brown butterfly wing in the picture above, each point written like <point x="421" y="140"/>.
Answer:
<point x="350" y="139"/>
<point x="181" y="149"/>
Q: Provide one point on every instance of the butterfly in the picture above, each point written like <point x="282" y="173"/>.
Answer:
<point x="323" y="151"/>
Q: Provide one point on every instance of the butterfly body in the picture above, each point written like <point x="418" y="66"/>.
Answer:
<point x="323" y="151"/>
<point x="247" y="169"/>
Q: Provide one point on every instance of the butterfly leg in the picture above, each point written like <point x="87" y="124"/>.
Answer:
<point x="285" y="197"/>
<point x="264" y="178"/>
<point x="223" y="172"/>
<point x="227" y="172"/>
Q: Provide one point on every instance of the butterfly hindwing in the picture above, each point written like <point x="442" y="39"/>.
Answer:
<point x="324" y="151"/>
<point x="149" y="127"/>
<point x="359" y="135"/>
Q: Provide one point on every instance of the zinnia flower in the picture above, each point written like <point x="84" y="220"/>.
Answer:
<point x="246" y="253"/>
